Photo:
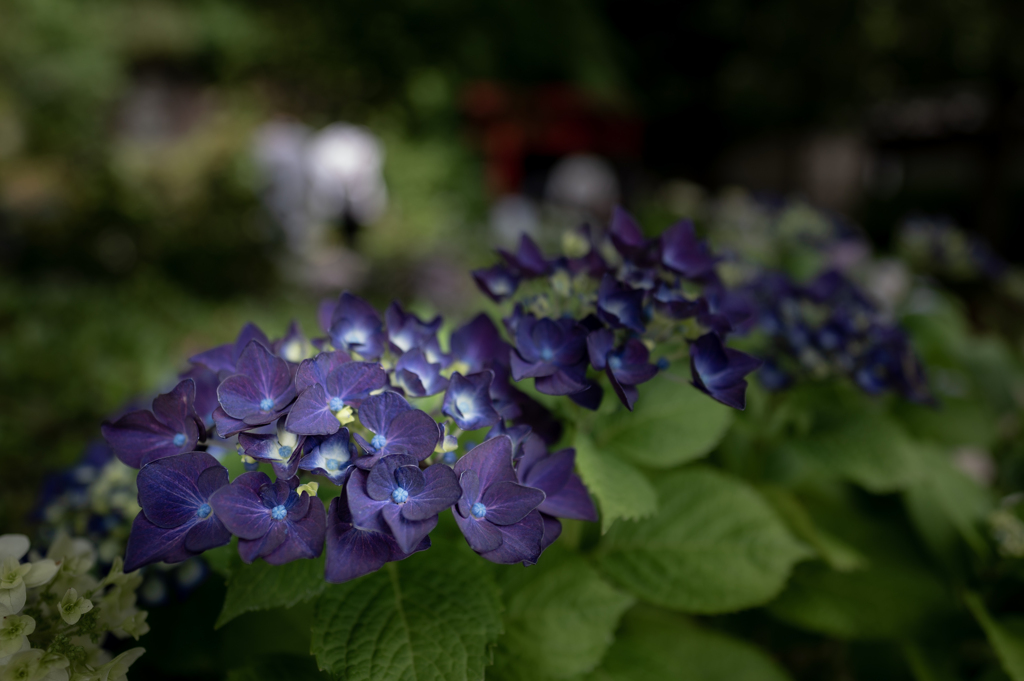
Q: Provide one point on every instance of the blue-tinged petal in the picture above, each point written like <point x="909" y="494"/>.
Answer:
<point x="311" y="413"/>
<point x="565" y="381"/>
<point x="407" y="331"/>
<point x="520" y="543"/>
<point x="352" y="552"/>
<point x="228" y="425"/>
<point x="169" y="491"/>
<point x="176" y="410"/>
<point x="599" y="344"/>
<point x="490" y="460"/>
<point x="549" y="472"/>
<point x="380" y="482"/>
<point x="469" y="481"/>
<point x="240" y="506"/>
<point x="478" y="344"/>
<point x="408" y="533"/>
<point x="316" y="370"/>
<point x="410" y="478"/>
<point x="356" y="327"/>
<point x="620" y="305"/>
<point x="411" y="433"/>
<point x="251" y="549"/>
<point x="497" y="282"/>
<point x="468" y="400"/>
<point x="572" y="501"/>
<point x="331" y="457"/>
<point x="365" y="510"/>
<point x="509" y="502"/>
<point x="378" y="411"/>
<point x="305" y="537"/>
<point x="206" y="533"/>
<point x="480" y="535"/>
<point x="682" y="252"/>
<point x="138" y="437"/>
<point x="552" y="530"/>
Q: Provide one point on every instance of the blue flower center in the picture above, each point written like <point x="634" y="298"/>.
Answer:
<point x="279" y="512"/>
<point x="478" y="511"/>
<point x="337" y="404"/>
<point x="450" y="458"/>
<point x="179" y="439"/>
<point x="284" y="451"/>
<point x="400" y="495"/>
<point x="465" y="405"/>
<point x="615" y="362"/>
<point x="378" y="442"/>
<point x="332" y="465"/>
<point x="547" y="354"/>
<point x="266" y="404"/>
<point x="204" y="511"/>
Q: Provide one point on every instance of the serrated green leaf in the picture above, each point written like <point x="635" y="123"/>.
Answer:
<point x="872" y="451"/>
<point x="432" y="617"/>
<point x="261" y="586"/>
<point x="837" y="553"/>
<point x="621" y="489"/>
<point x="672" y="423"/>
<point x="715" y="546"/>
<point x="560" y="622"/>
<point x="1006" y="636"/>
<point x="655" y="644"/>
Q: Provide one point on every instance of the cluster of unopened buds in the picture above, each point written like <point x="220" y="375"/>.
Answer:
<point x="377" y="408"/>
<point x="55" y="615"/>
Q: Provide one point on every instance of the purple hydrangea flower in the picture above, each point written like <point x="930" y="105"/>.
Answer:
<point x="468" y="400"/>
<point x="173" y="427"/>
<point x="281" y="448"/>
<point x="223" y="359"/>
<point x="626" y="367"/>
<point x="478" y="345"/>
<point x="294" y="347"/>
<point x="528" y="259"/>
<point x="498" y="282"/>
<point x="356" y="327"/>
<point x="271" y="520"/>
<point x="354" y="551"/>
<point x="629" y="240"/>
<point x="553" y="352"/>
<point x="619" y="305"/>
<point x="671" y="303"/>
<point x="397" y="429"/>
<point x="496" y="514"/>
<point x="397" y="497"/>
<point x="565" y="495"/>
<point x="328" y="384"/>
<point x="206" y="392"/>
<point x="331" y="456"/>
<point x="177" y="519"/>
<point x="407" y="331"/>
<point x="261" y="390"/>
<point x="719" y="371"/>
<point x="684" y="253"/>
<point x="418" y="376"/>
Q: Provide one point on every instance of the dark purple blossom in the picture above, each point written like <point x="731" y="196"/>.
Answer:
<point x="206" y="392"/>
<point x="353" y="551"/>
<point x="626" y="367"/>
<point x="478" y="345"/>
<point x="396" y="497"/>
<point x="397" y="429"/>
<point x="565" y="495"/>
<point x="553" y="352"/>
<point x="177" y="520"/>
<point x="295" y="346"/>
<point x="223" y="359"/>
<point x="496" y="514"/>
<point x="419" y="377"/>
<point x="619" y="305"/>
<point x="528" y="259"/>
<point x="173" y="427"/>
<point x="271" y="520"/>
<point x="497" y="281"/>
<point x="629" y="240"/>
<point x="280" y="448"/>
<point x="329" y="384"/>
<point x="683" y="253"/>
<point x="261" y="390"/>
<point x="468" y="400"/>
<point x="407" y="331"/>
<point x="670" y="302"/>
<point x="356" y="327"/>
<point x="331" y="456"/>
<point x="719" y="371"/>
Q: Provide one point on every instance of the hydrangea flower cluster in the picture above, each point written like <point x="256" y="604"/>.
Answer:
<point x="54" y="614"/>
<point x="376" y="408"/>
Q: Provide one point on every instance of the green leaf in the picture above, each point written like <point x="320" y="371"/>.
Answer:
<point x="672" y="423"/>
<point x="1006" y="636"/>
<point x="561" y="621"/>
<point x="262" y="586"/>
<point x="432" y="617"/>
<point x="896" y="596"/>
<point x="837" y="553"/>
<point x="654" y="644"/>
<point x="872" y="451"/>
<point x="715" y="546"/>
<point x="277" y="667"/>
<point x="621" y="489"/>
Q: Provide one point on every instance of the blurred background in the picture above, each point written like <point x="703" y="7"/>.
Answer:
<point x="170" y="170"/>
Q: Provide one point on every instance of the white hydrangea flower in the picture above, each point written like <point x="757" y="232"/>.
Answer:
<point x="16" y="577"/>
<point x="35" y="665"/>
<point x="116" y="669"/>
<point x="73" y="606"/>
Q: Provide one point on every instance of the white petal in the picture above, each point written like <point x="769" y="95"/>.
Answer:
<point x="41" y="573"/>
<point x="15" y="545"/>
<point x="12" y="600"/>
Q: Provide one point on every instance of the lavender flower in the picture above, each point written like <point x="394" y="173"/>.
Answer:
<point x="173" y="427"/>
<point x="262" y="389"/>
<point x="331" y="456"/>
<point x="407" y="331"/>
<point x="331" y="386"/>
<point x="418" y="376"/>
<point x="397" y="429"/>
<point x="468" y="400"/>
<point x="356" y="327"/>
<point x="551" y="351"/>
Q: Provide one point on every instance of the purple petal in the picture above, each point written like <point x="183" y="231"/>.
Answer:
<point x="352" y="552"/>
<point x="408" y="533"/>
<point x="168" y="489"/>
<point x="241" y="398"/>
<point x="380" y="483"/>
<point x="552" y="530"/>
<point x="220" y="358"/>
<point x="479" y="344"/>
<point x="377" y="411"/>
<point x="627" y="394"/>
<point x="227" y="425"/>
<point x="412" y="433"/>
<point x="520" y="543"/>
<point x="352" y="382"/>
<point x="311" y="413"/>
<point x="549" y="473"/>
<point x="207" y="534"/>
<point x="148" y="544"/>
<point x="491" y="461"/>
<point x="468" y="400"/>
<point x="682" y="252"/>
<point x="316" y="370"/>
<point x="440" y="490"/>
<point x="469" y="481"/>
<point x="305" y="537"/>
<point x="480" y="535"/>
<point x="410" y="478"/>
<point x="138" y="438"/>
<point x="240" y="506"/>
<point x="509" y="502"/>
<point x="564" y="382"/>
<point x="365" y="510"/>
<point x="175" y="409"/>
<point x="251" y="549"/>
<point x="599" y="344"/>
<point x="497" y="282"/>
<point x="572" y="501"/>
